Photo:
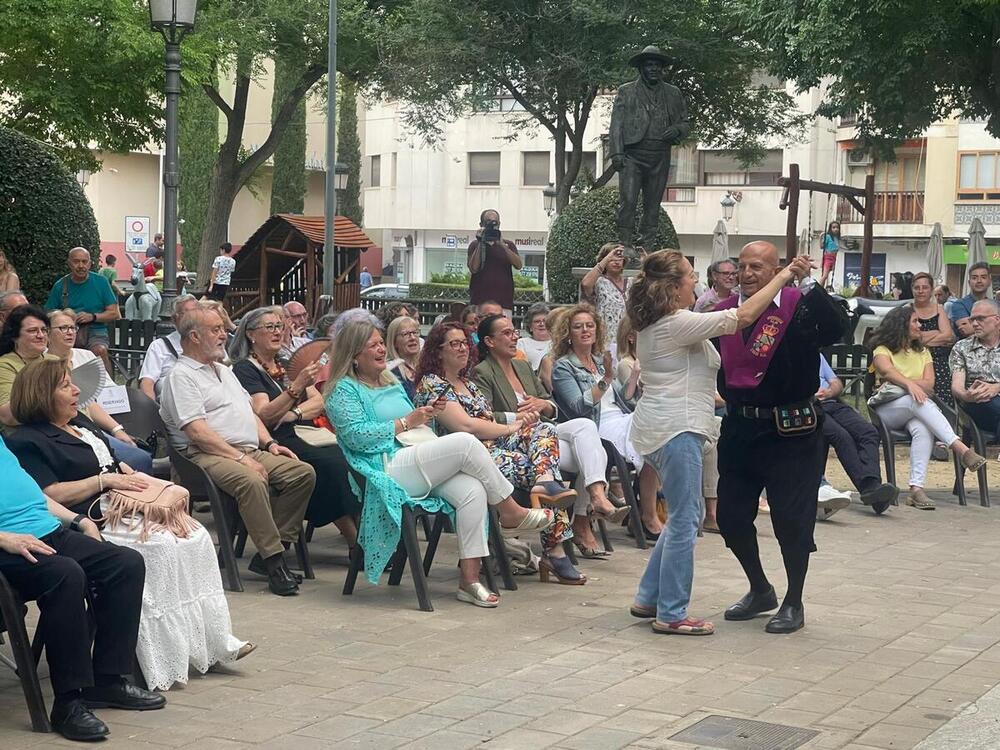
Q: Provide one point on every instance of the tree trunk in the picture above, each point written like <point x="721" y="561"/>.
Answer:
<point x="222" y="194"/>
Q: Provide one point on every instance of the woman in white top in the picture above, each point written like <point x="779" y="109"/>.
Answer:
<point x="675" y="418"/>
<point x="537" y="343"/>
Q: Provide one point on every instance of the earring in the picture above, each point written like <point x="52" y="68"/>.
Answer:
<point x="354" y="364"/>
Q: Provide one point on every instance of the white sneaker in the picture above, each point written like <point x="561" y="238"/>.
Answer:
<point x="829" y="501"/>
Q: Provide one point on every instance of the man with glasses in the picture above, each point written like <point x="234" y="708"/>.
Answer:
<point x="980" y="288"/>
<point x="91" y="296"/>
<point x="163" y="353"/>
<point x="723" y="276"/>
<point x="975" y="367"/>
<point x="298" y="318"/>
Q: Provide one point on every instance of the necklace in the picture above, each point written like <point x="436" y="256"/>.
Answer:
<point x="277" y="374"/>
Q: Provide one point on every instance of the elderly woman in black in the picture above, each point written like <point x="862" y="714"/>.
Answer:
<point x="185" y="618"/>
<point x="288" y="409"/>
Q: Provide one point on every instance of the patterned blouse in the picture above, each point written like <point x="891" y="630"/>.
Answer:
<point x="474" y="402"/>
<point x="978" y="361"/>
<point x="610" y="303"/>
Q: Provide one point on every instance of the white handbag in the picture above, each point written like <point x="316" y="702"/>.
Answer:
<point x="416" y="435"/>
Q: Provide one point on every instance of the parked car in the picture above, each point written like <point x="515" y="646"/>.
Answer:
<point x="387" y="291"/>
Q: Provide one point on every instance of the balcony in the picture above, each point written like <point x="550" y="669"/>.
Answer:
<point x="905" y="207"/>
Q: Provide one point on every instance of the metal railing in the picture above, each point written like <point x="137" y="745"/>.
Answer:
<point x="900" y="207"/>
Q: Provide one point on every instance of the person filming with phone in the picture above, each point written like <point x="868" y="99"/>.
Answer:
<point x="491" y="259"/>
<point x="607" y="288"/>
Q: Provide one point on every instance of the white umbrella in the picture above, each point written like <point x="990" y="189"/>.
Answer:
<point x="720" y="242"/>
<point x="935" y="253"/>
<point x="977" y="248"/>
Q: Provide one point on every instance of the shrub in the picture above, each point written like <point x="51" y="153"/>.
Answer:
<point x="43" y="213"/>
<point x="462" y="279"/>
<point x="583" y="226"/>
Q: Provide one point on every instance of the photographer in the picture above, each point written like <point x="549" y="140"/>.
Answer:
<point x="490" y="261"/>
<point x="606" y="286"/>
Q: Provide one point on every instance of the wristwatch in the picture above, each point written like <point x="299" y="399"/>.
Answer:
<point x="602" y="384"/>
<point x="268" y="444"/>
<point x="75" y="523"/>
<point x="297" y="412"/>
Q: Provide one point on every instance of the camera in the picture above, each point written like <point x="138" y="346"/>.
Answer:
<point x="491" y="231"/>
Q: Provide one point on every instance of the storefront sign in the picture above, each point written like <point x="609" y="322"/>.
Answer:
<point x="852" y="271"/>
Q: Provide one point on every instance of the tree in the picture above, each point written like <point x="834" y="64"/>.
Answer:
<point x="450" y="58"/>
<point x="898" y="66"/>
<point x="198" y="143"/>
<point x="45" y="213"/>
<point x="586" y="224"/>
<point x="288" y="180"/>
<point x="349" y="151"/>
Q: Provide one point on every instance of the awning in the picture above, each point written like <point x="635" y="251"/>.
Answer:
<point x="959" y="254"/>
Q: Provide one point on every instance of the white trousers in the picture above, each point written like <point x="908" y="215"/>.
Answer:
<point x="615" y="427"/>
<point x="924" y="422"/>
<point x="581" y="453"/>
<point x="458" y="469"/>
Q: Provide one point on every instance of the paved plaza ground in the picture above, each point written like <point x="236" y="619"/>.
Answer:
<point x="902" y="634"/>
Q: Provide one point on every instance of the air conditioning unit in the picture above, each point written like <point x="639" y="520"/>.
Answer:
<point x="858" y="157"/>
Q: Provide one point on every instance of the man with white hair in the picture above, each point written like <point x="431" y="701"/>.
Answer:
<point x="210" y="418"/>
<point x="163" y="353"/>
<point x="8" y="301"/>
<point x="298" y="317"/>
<point x="975" y="367"/>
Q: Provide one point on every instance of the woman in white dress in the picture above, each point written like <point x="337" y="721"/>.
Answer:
<point x="185" y="617"/>
<point x="537" y="343"/>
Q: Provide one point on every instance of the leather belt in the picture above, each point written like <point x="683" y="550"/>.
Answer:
<point x="763" y="412"/>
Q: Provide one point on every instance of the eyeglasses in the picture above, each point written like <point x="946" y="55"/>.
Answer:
<point x="507" y="332"/>
<point x="982" y="318"/>
<point x="271" y="327"/>
<point x="726" y="273"/>
<point x="67" y="329"/>
<point x="35" y="331"/>
<point x="410" y="334"/>
<point x="456" y="345"/>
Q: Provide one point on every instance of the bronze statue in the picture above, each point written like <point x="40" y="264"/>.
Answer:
<point x="648" y="117"/>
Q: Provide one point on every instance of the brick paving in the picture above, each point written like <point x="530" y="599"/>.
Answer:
<point x="903" y="632"/>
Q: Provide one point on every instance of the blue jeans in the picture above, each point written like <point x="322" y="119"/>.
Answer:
<point x="135" y="457"/>
<point x="670" y="571"/>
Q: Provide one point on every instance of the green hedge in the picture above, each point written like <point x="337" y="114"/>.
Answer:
<point x="43" y="213"/>
<point x="583" y="226"/>
<point x="460" y="292"/>
<point x="462" y="279"/>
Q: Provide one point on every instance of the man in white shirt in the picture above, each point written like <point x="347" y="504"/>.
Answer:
<point x="162" y="354"/>
<point x="209" y="417"/>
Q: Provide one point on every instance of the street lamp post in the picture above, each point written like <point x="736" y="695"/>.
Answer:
<point x="173" y="19"/>
<point x="550" y="202"/>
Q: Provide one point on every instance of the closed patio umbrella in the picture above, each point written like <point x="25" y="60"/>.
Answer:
<point x="977" y="248"/>
<point x="720" y="242"/>
<point x="935" y="254"/>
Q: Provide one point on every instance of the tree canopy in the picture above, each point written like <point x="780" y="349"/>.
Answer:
<point x="450" y="58"/>
<point x="899" y="66"/>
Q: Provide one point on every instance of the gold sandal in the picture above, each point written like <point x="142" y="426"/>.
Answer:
<point x="478" y="595"/>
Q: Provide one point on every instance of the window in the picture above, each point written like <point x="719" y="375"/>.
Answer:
<point x="906" y="174"/>
<point x="484" y="168"/>
<point x="588" y="163"/>
<point x="536" y="168"/>
<point x="762" y="79"/>
<point x="683" y="175"/>
<point x="375" y="172"/>
<point x="977" y="176"/>
<point x="722" y="168"/>
<point x="392" y="169"/>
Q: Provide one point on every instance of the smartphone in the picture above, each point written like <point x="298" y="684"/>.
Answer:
<point x="324" y="359"/>
<point x="444" y="393"/>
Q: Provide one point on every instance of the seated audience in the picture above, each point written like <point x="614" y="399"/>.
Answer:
<point x="548" y="360"/>
<point x="469" y="318"/>
<point x="91" y="296"/>
<point x="298" y="318"/>
<point x="402" y="344"/>
<point x="855" y="441"/>
<point x="8" y="301"/>
<point x="287" y="409"/>
<point x="24" y="338"/>
<point x="62" y="334"/>
<point x="164" y="351"/>
<point x="975" y="367"/>
<point x="210" y="418"/>
<point x="722" y="274"/>
<point x="903" y="401"/>
<point x="324" y="324"/>
<point x="980" y="287"/>
<point x="584" y="385"/>
<point x="52" y="556"/>
<point x="512" y="389"/>
<point x="395" y="309"/>
<point x="372" y="416"/>
<point x="185" y="618"/>
<point x="291" y="339"/>
<point x="525" y="449"/>
<point x="537" y="343"/>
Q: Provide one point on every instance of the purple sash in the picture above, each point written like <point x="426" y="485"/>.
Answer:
<point x="746" y="362"/>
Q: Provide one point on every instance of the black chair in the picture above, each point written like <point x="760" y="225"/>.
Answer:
<point x="629" y="480"/>
<point x="850" y="362"/>
<point x="12" y="612"/>
<point x="408" y="552"/>
<point x="143" y="422"/>
<point x="976" y="438"/>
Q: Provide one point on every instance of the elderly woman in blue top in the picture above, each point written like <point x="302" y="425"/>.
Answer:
<point x="50" y="554"/>
<point x="372" y="414"/>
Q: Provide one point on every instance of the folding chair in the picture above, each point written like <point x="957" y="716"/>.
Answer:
<point x="12" y="612"/>
<point x="629" y="482"/>
<point x="143" y="422"/>
<point x="977" y="438"/>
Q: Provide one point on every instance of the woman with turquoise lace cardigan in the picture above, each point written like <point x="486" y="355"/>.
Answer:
<point x="371" y="414"/>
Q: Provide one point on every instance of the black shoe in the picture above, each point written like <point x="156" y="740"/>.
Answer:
<point x="752" y="604"/>
<point x="883" y="494"/>
<point x="74" y="721"/>
<point x="880" y="508"/>
<point x="258" y="566"/>
<point x="123" y="695"/>
<point x="281" y="582"/>
<point x="788" y="619"/>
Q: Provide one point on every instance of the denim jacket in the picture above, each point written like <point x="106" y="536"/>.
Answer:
<point x="572" y="388"/>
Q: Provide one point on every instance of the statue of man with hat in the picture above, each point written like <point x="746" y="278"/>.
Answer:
<point x="648" y="117"/>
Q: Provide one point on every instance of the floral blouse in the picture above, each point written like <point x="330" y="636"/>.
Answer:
<point x="474" y="403"/>
<point x="610" y="303"/>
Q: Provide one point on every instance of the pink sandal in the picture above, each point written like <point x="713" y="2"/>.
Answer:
<point x="687" y="626"/>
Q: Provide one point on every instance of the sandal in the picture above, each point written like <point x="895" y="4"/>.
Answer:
<point x="536" y="519"/>
<point x="553" y="494"/>
<point x="591" y="553"/>
<point x="562" y="569"/>
<point x="972" y="461"/>
<point x="245" y="650"/>
<point x="478" y="595"/>
<point x="687" y="626"/>
<point x="642" y="612"/>
<point x="712" y="527"/>
<point x="616" y="516"/>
